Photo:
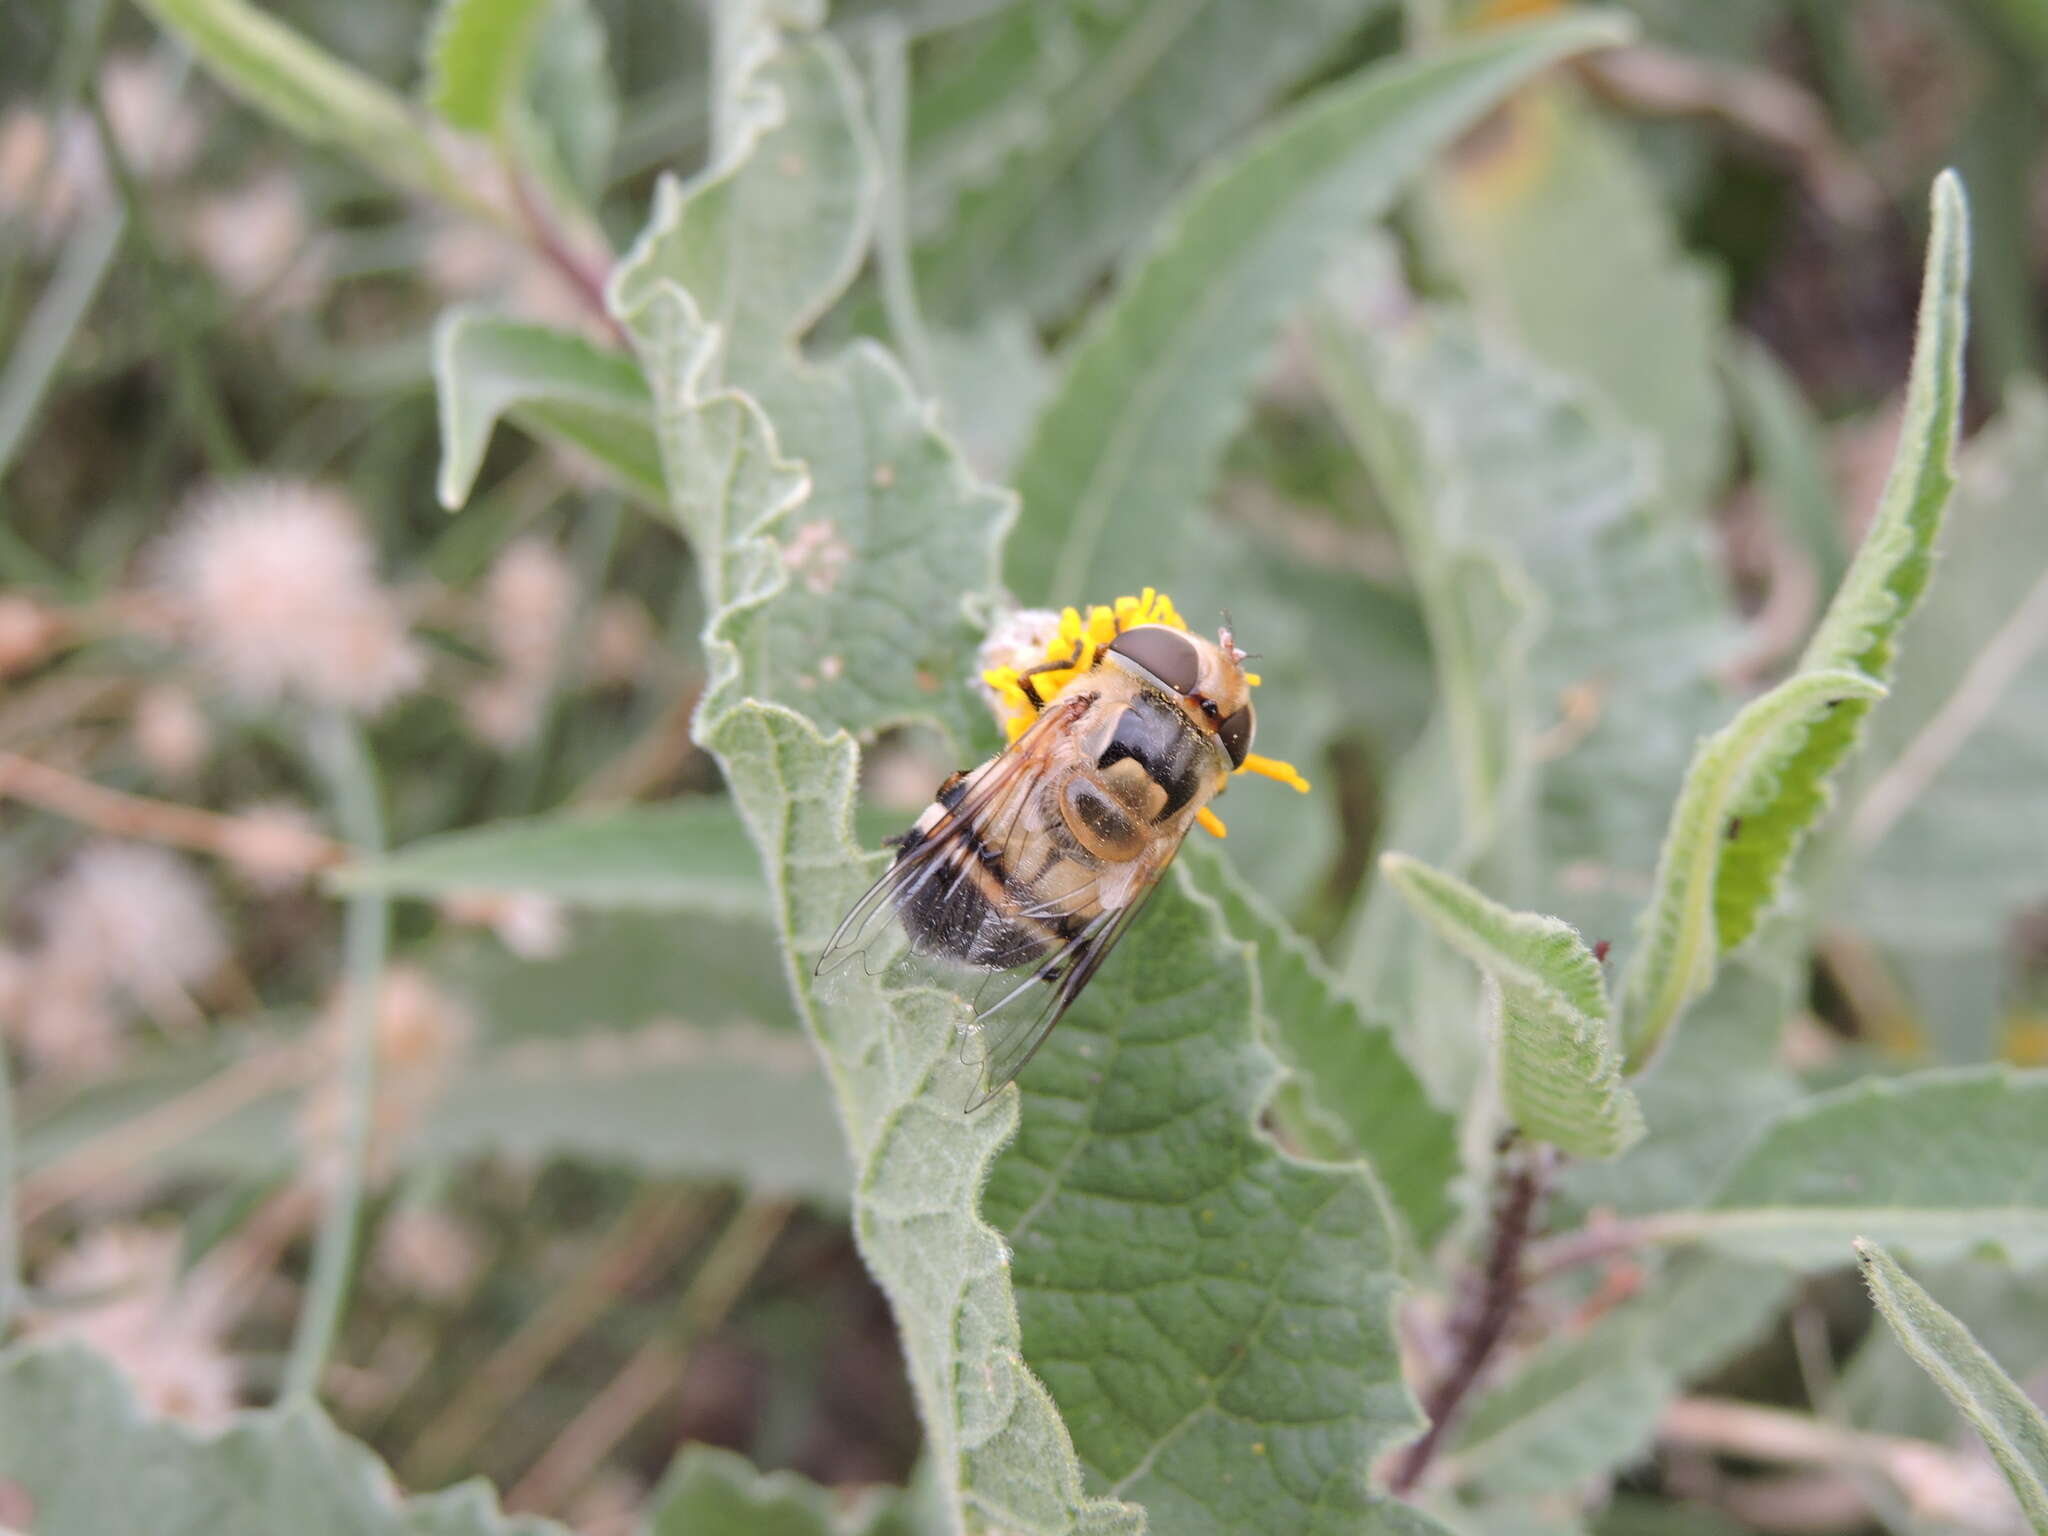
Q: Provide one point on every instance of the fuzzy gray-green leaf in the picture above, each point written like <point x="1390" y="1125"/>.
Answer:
<point x="2010" y="1422"/>
<point x="1560" y="235"/>
<point x="1718" y="875"/>
<point x="1124" y="102"/>
<point x="476" y="58"/>
<point x="1936" y="1163"/>
<point x="1560" y="1073"/>
<point x="693" y="856"/>
<point x="1161" y="376"/>
<point x="1739" y="774"/>
<point x="553" y="382"/>
<point x="75" y="1440"/>
<point x="1347" y="1064"/>
<point x="1212" y="1316"/>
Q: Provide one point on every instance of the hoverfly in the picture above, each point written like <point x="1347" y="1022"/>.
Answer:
<point x="1016" y="883"/>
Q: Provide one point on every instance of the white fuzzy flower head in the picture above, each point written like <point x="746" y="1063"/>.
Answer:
<point x="134" y="918"/>
<point x="275" y="583"/>
<point x="1018" y="639"/>
<point x="126" y="1303"/>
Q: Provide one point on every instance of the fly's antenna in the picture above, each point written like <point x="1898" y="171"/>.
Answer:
<point x="1227" y="641"/>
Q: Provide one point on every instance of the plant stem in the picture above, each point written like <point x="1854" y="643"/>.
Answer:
<point x="121" y="814"/>
<point x="1489" y="1307"/>
<point x="545" y="234"/>
<point x="339" y="743"/>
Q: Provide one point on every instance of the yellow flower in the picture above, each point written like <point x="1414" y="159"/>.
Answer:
<point x="1073" y="649"/>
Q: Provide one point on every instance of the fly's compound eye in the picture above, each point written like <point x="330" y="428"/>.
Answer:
<point x="1165" y="653"/>
<point x="1236" y="736"/>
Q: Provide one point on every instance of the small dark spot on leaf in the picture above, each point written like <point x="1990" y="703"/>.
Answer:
<point x="1734" y="828"/>
<point x="926" y="682"/>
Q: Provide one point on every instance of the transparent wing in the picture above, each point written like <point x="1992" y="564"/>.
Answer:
<point x="1008" y="998"/>
<point x="1012" y="1021"/>
<point x="994" y="813"/>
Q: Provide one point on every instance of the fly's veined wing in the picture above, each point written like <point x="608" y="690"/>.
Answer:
<point x="995" y="816"/>
<point x="1013" y="1018"/>
<point x="1008" y="987"/>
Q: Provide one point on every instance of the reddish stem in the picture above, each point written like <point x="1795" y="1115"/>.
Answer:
<point x="1482" y="1319"/>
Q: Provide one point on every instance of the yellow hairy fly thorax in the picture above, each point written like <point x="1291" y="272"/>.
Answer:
<point x="1073" y="650"/>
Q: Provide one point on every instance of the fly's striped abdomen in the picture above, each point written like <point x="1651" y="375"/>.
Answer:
<point x="1013" y="889"/>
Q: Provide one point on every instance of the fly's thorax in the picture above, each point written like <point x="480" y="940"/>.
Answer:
<point x="1144" y="768"/>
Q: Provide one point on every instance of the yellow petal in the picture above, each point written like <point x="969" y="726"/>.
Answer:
<point x="1273" y="768"/>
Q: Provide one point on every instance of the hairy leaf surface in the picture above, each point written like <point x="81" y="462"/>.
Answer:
<point x="1211" y="1315"/>
<point x="556" y="384"/>
<point x="2007" y="1419"/>
<point x="1359" y="1087"/>
<point x="1757" y="787"/>
<point x="1935" y="1163"/>
<point x="1560" y="1071"/>
<point x="1160" y="379"/>
<point x="74" y="1438"/>
<point x="1136" y="97"/>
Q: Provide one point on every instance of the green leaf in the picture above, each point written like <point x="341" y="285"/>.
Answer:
<point x="2012" y="1426"/>
<point x="1358" y="1084"/>
<point x="769" y="235"/>
<point x="1738" y="778"/>
<point x="571" y="118"/>
<point x="1946" y="843"/>
<point x="759" y="244"/>
<point x="1160" y="379"/>
<point x="1888" y="576"/>
<point x="1212" y="1316"/>
<point x="556" y="384"/>
<point x="808" y="590"/>
<point x="476" y="59"/>
<point x="739" y="1102"/>
<point x="1005" y="1459"/>
<point x="1560" y="1074"/>
<point x="1884" y="1391"/>
<point x="79" y="1446"/>
<point x="1938" y="1163"/>
<point x="313" y="94"/>
<point x="1122" y="103"/>
<point x="711" y="1492"/>
<point x="1480" y="451"/>
<point x="1757" y="787"/>
<point x="693" y="856"/>
<point x="1561" y="236"/>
